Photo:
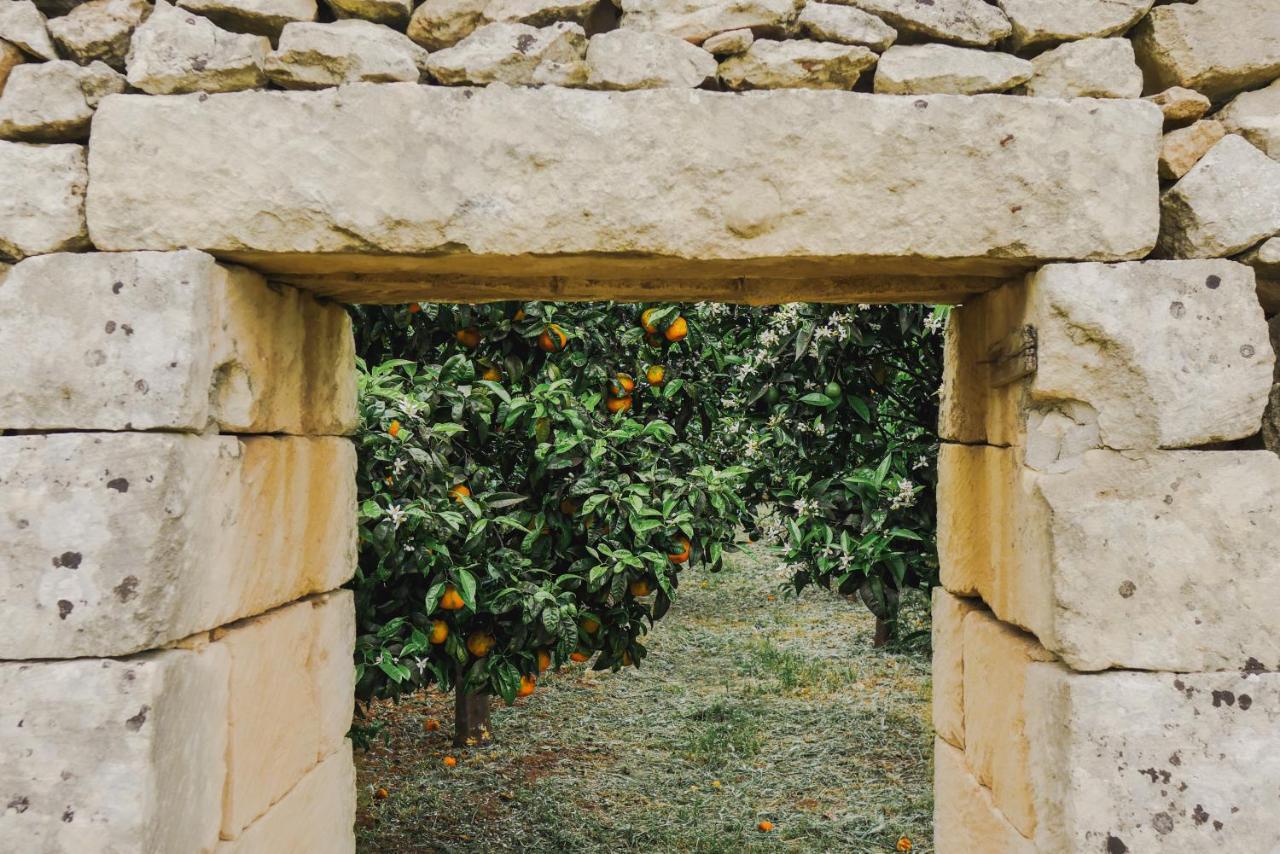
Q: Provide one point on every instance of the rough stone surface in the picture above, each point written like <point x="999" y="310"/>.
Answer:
<point x="698" y="20"/>
<point x="947" y="627"/>
<point x="965" y="819"/>
<point x="972" y="23"/>
<point x="42" y="189"/>
<point x="1271" y="422"/>
<point x="1227" y="203"/>
<point x="798" y="63"/>
<point x="1182" y="149"/>
<point x="577" y="176"/>
<point x="391" y="13"/>
<point x="829" y="22"/>
<point x="113" y="756"/>
<point x="173" y="534"/>
<point x="1218" y="47"/>
<point x="10" y="58"/>
<point x="99" y="30"/>
<point x="638" y="59"/>
<point x="1180" y="106"/>
<point x="175" y="51"/>
<point x="1090" y="68"/>
<point x="730" y="43"/>
<point x="515" y="54"/>
<point x="1256" y="117"/>
<point x="933" y="68"/>
<point x="262" y="17"/>
<point x="1155" y="761"/>
<point x="292" y="683"/>
<point x="438" y="24"/>
<point x="1041" y="22"/>
<point x="54" y="101"/>
<point x="313" y="56"/>
<point x="168" y="341"/>
<point x="22" y="24"/>
<point x="317" y="815"/>
<point x="1264" y="258"/>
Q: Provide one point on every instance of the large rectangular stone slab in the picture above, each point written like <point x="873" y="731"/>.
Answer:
<point x="168" y="341"/>
<point x="965" y="818"/>
<point x="556" y="182"/>
<point x="112" y="543"/>
<point x="42" y="190"/>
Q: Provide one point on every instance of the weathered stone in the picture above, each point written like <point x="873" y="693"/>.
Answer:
<point x="438" y="24"/>
<point x="799" y="63"/>
<point x="313" y="56"/>
<point x="1180" y="106"/>
<point x="1155" y="761"/>
<point x="391" y="13"/>
<point x="829" y="22"/>
<point x="1089" y="68"/>
<point x="1182" y="149"/>
<point x="99" y="30"/>
<point x="42" y="190"/>
<point x="638" y="59"/>
<point x="965" y="819"/>
<point x="1264" y="258"/>
<point x="947" y="627"/>
<point x="262" y="17"/>
<point x="292" y="174"/>
<point x="937" y="68"/>
<point x="101" y="755"/>
<point x="54" y="101"/>
<point x="1227" y="203"/>
<point x="1271" y="422"/>
<point x="1038" y="22"/>
<point x="318" y="814"/>
<point x="21" y="24"/>
<point x="730" y="43"/>
<point x="175" y="51"/>
<point x="172" y="534"/>
<point x="515" y="54"/>
<point x="168" y="341"/>
<point x="698" y="20"/>
<point x="288" y="712"/>
<point x="972" y="23"/>
<point x="1218" y="47"/>
<point x="10" y="58"/>
<point x="1256" y="117"/>
<point x="996" y="661"/>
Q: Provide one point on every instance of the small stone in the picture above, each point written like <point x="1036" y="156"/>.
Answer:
<point x="515" y="54"/>
<point x="1218" y="47"/>
<point x="10" y="57"/>
<point x="313" y="56"/>
<point x="938" y="68"/>
<point x="99" y="29"/>
<point x="971" y="23"/>
<point x="1264" y="258"/>
<point x="260" y="17"/>
<point x="639" y="59"/>
<point x="393" y="13"/>
<point x="22" y="24"/>
<point x="54" y="101"/>
<point x="1037" y="22"/>
<point x="1227" y="203"/>
<point x="1089" y="68"/>
<point x="828" y="22"/>
<point x="729" y="43"/>
<point x="771" y="64"/>
<point x="1180" y="106"/>
<point x="1256" y="117"/>
<point x="175" y="51"/>
<point x="698" y="20"/>
<point x="42" y="190"/>
<point x="1182" y="149"/>
<point x="438" y="24"/>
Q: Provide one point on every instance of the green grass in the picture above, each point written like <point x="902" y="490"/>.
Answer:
<point x="748" y="708"/>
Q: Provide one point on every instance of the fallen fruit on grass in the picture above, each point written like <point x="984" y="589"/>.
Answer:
<point x="904" y="843"/>
<point x="579" y="656"/>
<point x="431" y="725"/>
<point x="765" y="826"/>
<point x="381" y="794"/>
<point x="450" y="762"/>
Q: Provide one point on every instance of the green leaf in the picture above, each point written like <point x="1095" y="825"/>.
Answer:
<point x="817" y="398"/>
<point x="467" y="588"/>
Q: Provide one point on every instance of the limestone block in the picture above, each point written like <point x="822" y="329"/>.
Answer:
<point x="1218" y="47"/>
<point x="54" y="101"/>
<point x="1180" y="106"/>
<point x="1089" y="68"/>
<point x="273" y="178"/>
<point x="932" y="68"/>
<point x="317" y="816"/>
<point x="829" y="22"/>
<point x="729" y="43"/>
<point x="10" y="58"/>
<point x="971" y="23"/>
<point x="640" y="59"/>
<point x="947" y="627"/>
<point x="106" y="757"/>
<point x="797" y="63"/>
<point x="698" y="20"/>
<point x="1227" y="203"/>
<point x="175" y="51"/>
<point x="1043" y="22"/>
<point x="1182" y="149"/>
<point x="515" y="54"/>
<point x="965" y="819"/>
<point x="22" y="24"/>
<point x="1256" y="117"/>
<point x="313" y="56"/>
<point x="438" y="24"/>
<point x="169" y="341"/>
<point x="42" y="189"/>
<point x="1264" y="259"/>
<point x="391" y="13"/>
<point x="262" y="17"/>
<point x="173" y="534"/>
<point x="292" y="684"/>
<point x="99" y="30"/>
<point x="1155" y="761"/>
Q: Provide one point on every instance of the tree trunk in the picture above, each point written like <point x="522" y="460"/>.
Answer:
<point x="470" y="718"/>
<point x="884" y="631"/>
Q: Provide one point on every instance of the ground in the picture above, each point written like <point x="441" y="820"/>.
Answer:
<point x="753" y="705"/>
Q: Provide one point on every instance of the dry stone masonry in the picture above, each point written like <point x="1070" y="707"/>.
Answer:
<point x="1096" y="183"/>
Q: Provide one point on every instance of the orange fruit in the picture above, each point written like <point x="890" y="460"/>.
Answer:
<point x="640" y="588"/>
<point x="394" y="429"/>
<point x="553" y="339"/>
<point x="459" y="492"/>
<point x="589" y="625"/>
<point x="439" y="631"/>
<point x="621" y="385"/>
<point x="648" y="325"/>
<point x="414" y="308"/>
<point x="381" y="793"/>
<point x="544" y="660"/>
<point x="579" y="656"/>
<point x="765" y="826"/>
<point x="451" y="600"/>
<point x="431" y="725"/>
<point x="527" y="683"/>
<point x="469" y="337"/>
<point x="904" y="843"/>
<point x="685" y="552"/>
<point x="617" y="404"/>
<point x="480" y="644"/>
<point x="678" y="330"/>
<point x="491" y="374"/>
<point x="656" y="375"/>
<point x="450" y="762"/>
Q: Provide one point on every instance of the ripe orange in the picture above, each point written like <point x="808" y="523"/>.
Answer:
<point x="381" y="793"/>
<point x="394" y="429"/>
<point x="765" y="826"/>
<point x="480" y="644"/>
<point x="685" y="552"/>
<point x="544" y="660"/>
<point x="414" y="307"/>
<point x="648" y="325"/>
<point x="431" y="725"/>
<point x="621" y="385"/>
<point x="451" y="600"/>
<point x="450" y="762"/>
<point x="491" y="374"/>
<point x="904" y="843"/>
<point x="439" y="630"/>
<point x="579" y="656"/>
<point x="553" y="339"/>
<point x="469" y="337"/>
<point x="617" y="404"/>
<point x="527" y="683"/>
<point x="678" y="330"/>
<point x="459" y="492"/>
<point x="589" y="625"/>
<point x="656" y="375"/>
<point x="640" y="588"/>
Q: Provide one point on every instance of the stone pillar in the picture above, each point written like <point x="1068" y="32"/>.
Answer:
<point x="177" y="513"/>
<point x="1109" y="629"/>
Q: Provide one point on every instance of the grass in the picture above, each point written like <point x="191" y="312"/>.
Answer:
<point x="752" y="705"/>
